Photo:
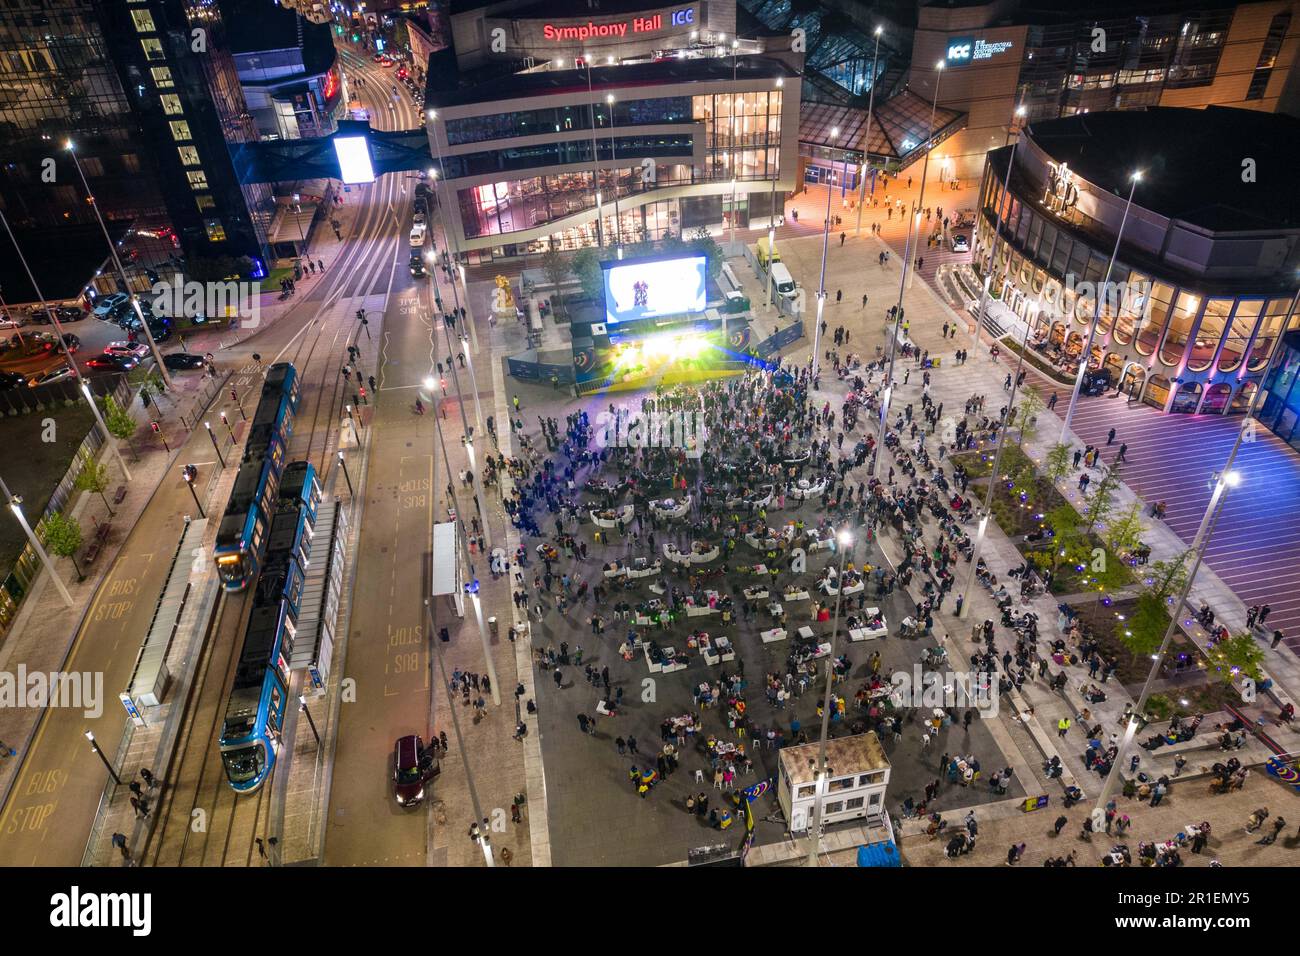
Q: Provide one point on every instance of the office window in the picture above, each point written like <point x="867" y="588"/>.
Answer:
<point x="835" y="806"/>
<point x="180" y="130"/>
<point x="189" y="155"/>
<point x="215" y="230"/>
<point x="131" y="163"/>
<point x="171" y="104"/>
<point x="92" y="165"/>
<point x="162" y="77"/>
<point x="198" y="179"/>
<point x="853" y="803"/>
<point x="153" y="49"/>
<point x="143" y="21"/>
<point x="205" y="203"/>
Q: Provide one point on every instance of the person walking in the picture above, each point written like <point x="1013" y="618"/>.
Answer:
<point x="1264" y="612"/>
<point x="1277" y="639"/>
<point x="1062" y="726"/>
<point x="559" y="680"/>
<point x="631" y="744"/>
<point x="1123" y="451"/>
<point x="119" y="841"/>
<point x="1051" y="402"/>
<point x="1060" y="824"/>
<point x="864" y="300"/>
<point x="1110" y="437"/>
<point x="1084" y="479"/>
<point x="149" y="779"/>
<point x="1015" y="853"/>
<point x="621" y="744"/>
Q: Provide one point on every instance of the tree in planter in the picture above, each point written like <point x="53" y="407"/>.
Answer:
<point x="1239" y="655"/>
<point x="1069" y="543"/>
<point x="1030" y="405"/>
<point x="586" y="266"/>
<point x="1058" y="462"/>
<point x="556" y="269"/>
<point x="1168" y="577"/>
<point x="1145" y="628"/>
<point x="63" y="537"/>
<point x="702" y="241"/>
<point x="1125" y="530"/>
<point x="119" y="422"/>
<point x="94" y="477"/>
<point x="1100" y="504"/>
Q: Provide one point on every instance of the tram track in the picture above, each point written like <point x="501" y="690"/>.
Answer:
<point x="202" y="821"/>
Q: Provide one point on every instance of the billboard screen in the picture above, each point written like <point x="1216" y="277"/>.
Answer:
<point x="354" y="159"/>
<point x="646" y="288"/>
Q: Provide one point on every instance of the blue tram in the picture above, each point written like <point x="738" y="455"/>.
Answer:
<point x="255" y="710"/>
<point x="241" y="538"/>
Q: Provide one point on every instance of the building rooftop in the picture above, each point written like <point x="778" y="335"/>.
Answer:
<point x="844" y="755"/>
<point x="1043" y="12"/>
<point x="530" y="9"/>
<point x="1191" y="162"/>
<point x="63" y="260"/>
<point x="263" y="27"/>
<point x="551" y="82"/>
<point x="898" y="125"/>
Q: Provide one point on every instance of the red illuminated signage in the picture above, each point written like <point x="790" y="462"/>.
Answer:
<point x="590" y="30"/>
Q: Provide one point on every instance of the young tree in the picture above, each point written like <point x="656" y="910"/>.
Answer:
<point x="1168" y="577"/>
<point x="94" y="477"/>
<point x="1068" y="540"/>
<point x="1239" y="655"/>
<point x="1100" y="504"/>
<point x="119" y="422"/>
<point x="63" y="537"/>
<point x="1030" y="404"/>
<point x="701" y="240"/>
<point x="556" y="269"/>
<point x="586" y="266"/>
<point x="1145" y="628"/>
<point x="1058" y="463"/>
<point x="1125" y="530"/>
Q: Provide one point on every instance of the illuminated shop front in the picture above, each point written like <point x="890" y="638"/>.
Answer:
<point x="1201" y="294"/>
<point x="545" y="162"/>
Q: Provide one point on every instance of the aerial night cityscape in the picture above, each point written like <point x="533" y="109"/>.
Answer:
<point x="734" y="433"/>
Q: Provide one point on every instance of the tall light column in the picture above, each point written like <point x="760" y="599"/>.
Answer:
<point x="993" y="244"/>
<point x="771" y="223"/>
<point x="1086" y="354"/>
<point x="16" y="505"/>
<point x="613" y="153"/>
<point x="595" y="157"/>
<point x="925" y="166"/>
<point x="121" y="273"/>
<point x="735" y="153"/>
<point x="844" y="540"/>
<point x="994" y="478"/>
<point x="449" y="235"/>
<point x="58" y="330"/>
<point x="866" y="139"/>
<point x="435" y="400"/>
<point x="913" y="224"/>
<point x="826" y="240"/>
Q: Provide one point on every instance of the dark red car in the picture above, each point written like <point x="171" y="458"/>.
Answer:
<point x="413" y="767"/>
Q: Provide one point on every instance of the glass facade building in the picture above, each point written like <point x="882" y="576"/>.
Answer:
<point x="150" y="104"/>
<point x="529" y="172"/>
<point x="1181" y="339"/>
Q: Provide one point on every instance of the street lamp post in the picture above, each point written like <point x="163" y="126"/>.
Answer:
<point x="464" y="544"/>
<point x="94" y="745"/>
<point x="844" y="541"/>
<point x="1086" y="354"/>
<point x="450" y="234"/>
<point x="484" y="840"/>
<point x="343" y="463"/>
<point x="914" y="223"/>
<point x="121" y="272"/>
<point x="72" y="363"/>
<point x="189" y="482"/>
<point x="994" y="478"/>
<point x="215" y="446"/>
<point x="595" y="158"/>
<point x="15" y="504"/>
<point x="993" y="243"/>
<point x="925" y="166"/>
<point x="613" y="152"/>
<point x="225" y="421"/>
<point x="302" y="705"/>
<point x="826" y="240"/>
<point x="866" y="139"/>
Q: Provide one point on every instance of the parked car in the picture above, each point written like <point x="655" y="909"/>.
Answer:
<point x="129" y="349"/>
<point x="7" y="323"/>
<point x="386" y="62"/>
<point x="420" y="205"/>
<point x="107" y="305"/>
<point x="10" y="380"/>
<point x="960" y="244"/>
<point x="64" y="313"/>
<point x="56" y="374"/>
<point x="112" y="363"/>
<point x="183" y="361"/>
<point x="412" y="769"/>
<point x="72" y="343"/>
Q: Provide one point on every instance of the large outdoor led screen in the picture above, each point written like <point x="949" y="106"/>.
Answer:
<point x="354" y="159"/>
<point x="646" y="288"/>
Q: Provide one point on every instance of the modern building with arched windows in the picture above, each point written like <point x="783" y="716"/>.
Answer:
<point x="1204" y="282"/>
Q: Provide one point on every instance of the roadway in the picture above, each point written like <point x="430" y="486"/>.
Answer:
<point x="48" y="814"/>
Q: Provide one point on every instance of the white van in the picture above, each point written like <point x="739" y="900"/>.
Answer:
<point x="783" y="280"/>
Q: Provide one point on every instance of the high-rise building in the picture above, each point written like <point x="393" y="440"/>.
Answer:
<point x="149" y="93"/>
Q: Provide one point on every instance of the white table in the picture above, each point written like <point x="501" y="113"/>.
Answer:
<point x="773" y="635"/>
<point x="806" y="632"/>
